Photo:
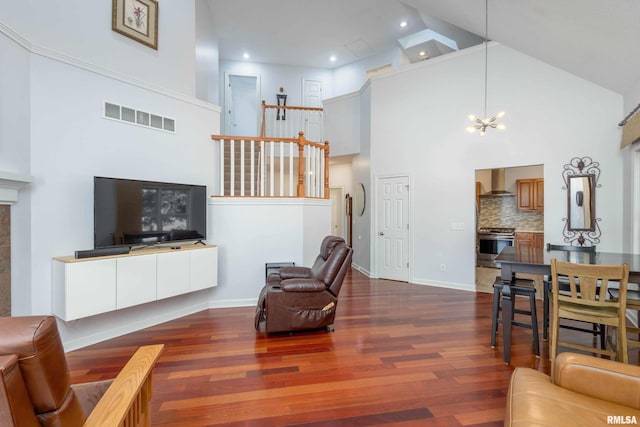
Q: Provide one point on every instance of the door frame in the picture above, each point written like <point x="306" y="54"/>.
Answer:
<point x="226" y="121"/>
<point x="635" y="191"/>
<point x="375" y="223"/>
<point x="304" y="91"/>
<point x="343" y="216"/>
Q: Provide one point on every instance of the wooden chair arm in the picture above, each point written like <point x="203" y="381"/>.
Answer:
<point x="126" y="401"/>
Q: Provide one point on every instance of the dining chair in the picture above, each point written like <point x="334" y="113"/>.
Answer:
<point x="587" y="301"/>
<point x="519" y="287"/>
<point x="633" y="303"/>
<point x="596" y="330"/>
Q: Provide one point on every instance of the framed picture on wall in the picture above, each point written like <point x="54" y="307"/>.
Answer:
<point x="136" y="19"/>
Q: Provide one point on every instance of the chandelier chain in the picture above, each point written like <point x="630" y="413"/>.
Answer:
<point x="482" y="124"/>
<point x="486" y="53"/>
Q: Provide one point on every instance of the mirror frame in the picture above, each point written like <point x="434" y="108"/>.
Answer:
<point x="581" y="200"/>
<point x="581" y="167"/>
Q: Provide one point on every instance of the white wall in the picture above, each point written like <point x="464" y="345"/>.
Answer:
<point x="71" y="142"/>
<point x="285" y="230"/>
<point x="15" y="157"/>
<point x="418" y="120"/>
<point x="341" y="175"/>
<point x="206" y="55"/>
<point x="14" y="107"/>
<point x="351" y="77"/>
<point x="82" y="30"/>
<point x="362" y="227"/>
<point x="342" y="124"/>
<point x="54" y="88"/>
<point x="273" y="77"/>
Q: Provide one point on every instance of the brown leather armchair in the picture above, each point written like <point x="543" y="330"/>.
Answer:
<point x="36" y="389"/>
<point x="299" y="298"/>
<point x="582" y="391"/>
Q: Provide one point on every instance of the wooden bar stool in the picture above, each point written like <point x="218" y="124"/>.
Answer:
<point x="521" y="287"/>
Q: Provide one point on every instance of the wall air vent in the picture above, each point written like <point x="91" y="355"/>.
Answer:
<point x="138" y="117"/>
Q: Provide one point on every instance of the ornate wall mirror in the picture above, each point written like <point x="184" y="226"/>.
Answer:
<point x="581" y="202"/>
<point x="581" y="180"/>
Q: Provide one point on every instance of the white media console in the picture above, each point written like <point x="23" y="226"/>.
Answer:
<point x="89" y="286"/>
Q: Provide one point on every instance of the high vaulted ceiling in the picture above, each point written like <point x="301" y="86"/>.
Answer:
<point x="594" y="39"/>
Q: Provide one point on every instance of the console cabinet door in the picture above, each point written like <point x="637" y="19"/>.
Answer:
<point x="136" y="280"/>
<point x="173" y="274"/>
<point x="204" y="268"/>
<point x="84" y="289"/>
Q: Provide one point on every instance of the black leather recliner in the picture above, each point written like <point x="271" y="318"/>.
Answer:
<point x="298" y="298"/>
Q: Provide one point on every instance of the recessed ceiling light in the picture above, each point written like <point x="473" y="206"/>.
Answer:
<point x="333" y="58"/>
<point x="403" y="24"/>
<point x="422" y="53"/>
<point x="245" y="55"/>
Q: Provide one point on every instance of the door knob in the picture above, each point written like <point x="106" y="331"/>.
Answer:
<point x="380" y="233"/>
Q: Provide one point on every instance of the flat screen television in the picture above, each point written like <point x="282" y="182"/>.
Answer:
<point x="140" y="213"/>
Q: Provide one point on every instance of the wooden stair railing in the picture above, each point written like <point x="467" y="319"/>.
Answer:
<point x="280" y="121"/>
<point x="258" y="176"/>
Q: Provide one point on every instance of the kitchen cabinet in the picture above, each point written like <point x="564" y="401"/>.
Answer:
<point x="530" y="194"/>
<point x="527" y="240"/>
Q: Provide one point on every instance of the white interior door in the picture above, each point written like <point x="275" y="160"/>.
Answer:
<point x="337" y="211"/>
<point x="392" y="212"/>
<point x="312" y="97"/>
<point x="242" y="101"/>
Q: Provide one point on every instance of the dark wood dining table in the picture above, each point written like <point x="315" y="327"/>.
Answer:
<point x="538" y="261"/>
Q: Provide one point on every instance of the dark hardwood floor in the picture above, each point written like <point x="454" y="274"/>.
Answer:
<point x="401" y="354"/>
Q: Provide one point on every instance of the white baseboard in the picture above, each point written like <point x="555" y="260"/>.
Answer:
<point x="362" y="270"/>
<point x="448" y="285"/>
<point x="106" y="334"/>
<point x="248" y="302"/>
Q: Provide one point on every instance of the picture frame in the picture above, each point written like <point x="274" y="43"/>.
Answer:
<point x="136" y="19"/>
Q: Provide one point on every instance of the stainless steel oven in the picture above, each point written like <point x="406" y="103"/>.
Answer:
<point x="490" y="241"/>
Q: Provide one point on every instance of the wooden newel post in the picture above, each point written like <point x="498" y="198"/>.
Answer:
<point x="264" y="108"/>
<point x="301" y="164"/>
<point x="326" y="169"/>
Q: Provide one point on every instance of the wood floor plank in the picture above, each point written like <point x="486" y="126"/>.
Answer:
<point x="401" y="355"/>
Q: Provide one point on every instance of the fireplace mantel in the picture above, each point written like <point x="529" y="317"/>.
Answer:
<point x="10" y="183"/>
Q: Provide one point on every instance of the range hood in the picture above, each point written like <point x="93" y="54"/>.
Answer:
<point x="497" y="184"/>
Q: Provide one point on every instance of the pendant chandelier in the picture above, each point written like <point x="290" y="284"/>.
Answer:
<point x="487" y="122"/>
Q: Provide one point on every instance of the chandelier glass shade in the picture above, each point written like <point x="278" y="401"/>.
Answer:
<point x="487" y="122"/>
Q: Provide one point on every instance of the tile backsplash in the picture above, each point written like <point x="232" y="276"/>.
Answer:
<point x="501" y="211"/>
